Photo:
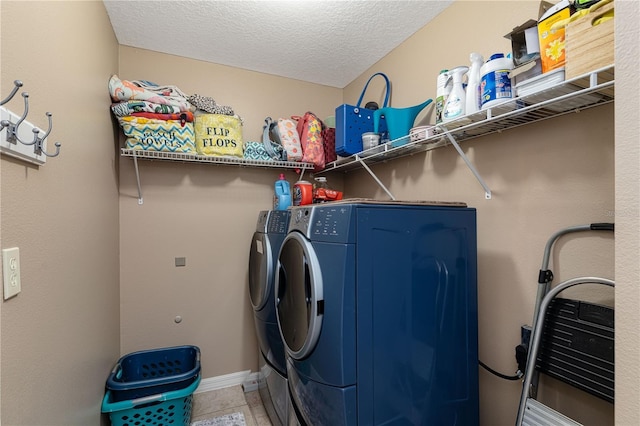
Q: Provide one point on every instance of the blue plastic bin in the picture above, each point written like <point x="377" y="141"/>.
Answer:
<point x="167" y="409"/>
<point x="154" y="371"/>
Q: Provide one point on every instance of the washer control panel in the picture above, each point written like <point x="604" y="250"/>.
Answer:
<point x="321" y="222"/>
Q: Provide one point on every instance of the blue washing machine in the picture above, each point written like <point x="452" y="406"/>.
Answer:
<point x="270" y="232"/>
<point x="377" y="307"/>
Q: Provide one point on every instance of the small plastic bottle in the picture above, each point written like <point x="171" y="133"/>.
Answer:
<point x="473" y="84"/>
<point x="282" y="197"/>
<point x="454" y="106"/>
<point x="443" y="89"/>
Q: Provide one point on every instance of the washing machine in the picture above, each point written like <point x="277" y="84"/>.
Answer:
<point x="377" y="307"/>
<point x="270" y="232"/>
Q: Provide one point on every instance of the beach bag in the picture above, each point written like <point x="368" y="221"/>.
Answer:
<point x="285" y="133"/>
<point x="353" y="121"/>
<point x="218" y="135"/>
<point x="309" y="129"/>
<point x="267" y="150"/>
<point x="149" y="134"/>
<point x="260" y="151"/>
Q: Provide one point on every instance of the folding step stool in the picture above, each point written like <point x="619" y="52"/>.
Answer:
<point x="571" y="341"/>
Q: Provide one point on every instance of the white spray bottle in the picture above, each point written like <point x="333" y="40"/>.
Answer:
<point x="454" y="107"/>
<point x="473" y="84"/>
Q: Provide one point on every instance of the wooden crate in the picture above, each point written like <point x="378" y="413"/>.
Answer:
<point x="589" y="47"/>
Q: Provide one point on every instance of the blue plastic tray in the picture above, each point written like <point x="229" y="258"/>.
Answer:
<point x="154" y="371"/>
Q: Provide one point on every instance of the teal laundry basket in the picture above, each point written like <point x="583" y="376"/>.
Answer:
<point x="171" y="408"/>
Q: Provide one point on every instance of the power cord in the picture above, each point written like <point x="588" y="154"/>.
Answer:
<point x="522" y="352"/>
<point x="517" y="376"/>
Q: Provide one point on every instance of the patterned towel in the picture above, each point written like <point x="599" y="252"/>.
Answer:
<point x="123" y="90"/>
<point x="160" y="90"/>
<point x="122" y="109"/>
<point x="183" y="117"/>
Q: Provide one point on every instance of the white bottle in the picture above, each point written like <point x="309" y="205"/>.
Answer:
<point x="455" y="105"/>
<point x="495" y="81"/>
<point x="442" y="92"/>
<point x="473" y="84"/>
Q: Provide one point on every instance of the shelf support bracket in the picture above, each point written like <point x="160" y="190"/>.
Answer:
<point x="487" y="191"/>
<point x="373" y="175"/>
<point x="135" y="165"/>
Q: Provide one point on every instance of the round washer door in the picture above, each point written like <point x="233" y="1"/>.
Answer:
<point x="299" y="299"/>
<point x="260" y="270"/>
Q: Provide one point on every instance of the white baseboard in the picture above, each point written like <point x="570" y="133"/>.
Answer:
<point x="247" y="379"/>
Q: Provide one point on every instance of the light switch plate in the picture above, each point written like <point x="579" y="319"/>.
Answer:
<point x="11" y="272"/>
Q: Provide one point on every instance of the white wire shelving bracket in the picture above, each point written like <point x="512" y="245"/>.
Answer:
<point x="136" y="154"/>
<point x="570" y="96"/>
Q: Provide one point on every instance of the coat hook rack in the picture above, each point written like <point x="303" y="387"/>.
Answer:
<point x="15" y="141"/>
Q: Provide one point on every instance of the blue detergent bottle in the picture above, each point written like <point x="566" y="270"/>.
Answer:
<point x="282" y="197"/>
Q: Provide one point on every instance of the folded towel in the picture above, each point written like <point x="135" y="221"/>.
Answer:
<point x="182" y="117"/>
<point x="166" y="91"/>
<point x="123" y="90"/>
<point x="122" y="109"/>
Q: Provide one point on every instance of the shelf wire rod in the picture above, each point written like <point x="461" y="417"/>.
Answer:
<point x="135" y="165"/>
<point x="373" y="175"/>
<point x="487" y="191"/>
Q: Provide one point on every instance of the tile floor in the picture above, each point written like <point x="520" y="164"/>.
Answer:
<point x="207" y="405"/>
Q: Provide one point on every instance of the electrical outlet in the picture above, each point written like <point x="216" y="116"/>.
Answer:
<point x="11" y="271"/>
<point x="525" y="334"/>
<point x="522" y="350"/>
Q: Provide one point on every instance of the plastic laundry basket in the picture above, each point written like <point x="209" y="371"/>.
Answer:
<point x="154" y="371"/>
<point x="164" y="409"/>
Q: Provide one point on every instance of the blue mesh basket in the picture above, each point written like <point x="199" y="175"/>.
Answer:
<point x="164" y="409"/>
<point x="154" y="371"/>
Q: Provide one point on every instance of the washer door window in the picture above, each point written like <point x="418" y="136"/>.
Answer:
<point x="260" y="270"/>
<point x="299" y="302"/>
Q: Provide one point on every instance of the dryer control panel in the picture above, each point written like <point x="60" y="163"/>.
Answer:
<point x="278" y="221"/>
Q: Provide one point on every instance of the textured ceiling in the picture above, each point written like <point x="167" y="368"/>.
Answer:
<point x="324" y="42"/>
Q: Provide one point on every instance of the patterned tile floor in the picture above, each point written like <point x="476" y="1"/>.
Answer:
<point x="207" y="405"/>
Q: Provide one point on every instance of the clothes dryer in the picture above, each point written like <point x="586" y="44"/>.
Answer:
<point x="377" y="307"/>
<point x="270" y="232"/>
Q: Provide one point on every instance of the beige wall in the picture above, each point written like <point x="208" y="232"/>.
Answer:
<point x="206" y="213"/>
<point x="627" y="213"/>
<point x="60" y="335"/>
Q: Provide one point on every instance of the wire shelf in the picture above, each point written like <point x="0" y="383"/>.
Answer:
<point x="195" y="158"/>
<point x="590" y="90"/>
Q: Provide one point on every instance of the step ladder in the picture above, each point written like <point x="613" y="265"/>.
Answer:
<point x="571" y="340"/>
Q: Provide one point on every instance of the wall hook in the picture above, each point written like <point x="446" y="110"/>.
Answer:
<point x="40" y="141"/>
<point x="17" y="85"/>
<point x="12" y="129"/>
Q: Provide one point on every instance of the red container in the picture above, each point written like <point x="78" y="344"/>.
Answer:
<point x="302" y="193"/>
